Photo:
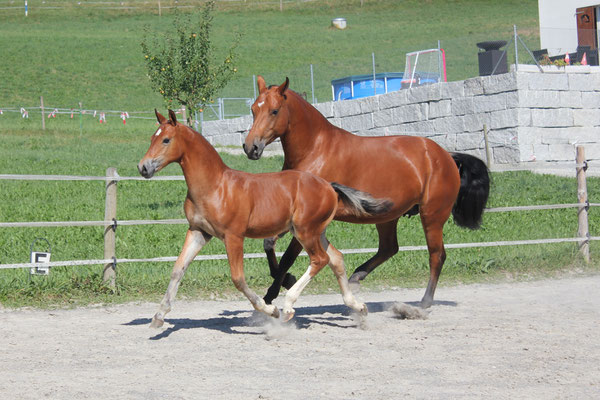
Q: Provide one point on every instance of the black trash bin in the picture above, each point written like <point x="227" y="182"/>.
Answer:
<point x="490" y="56"/>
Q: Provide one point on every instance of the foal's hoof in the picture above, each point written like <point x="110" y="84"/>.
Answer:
<point x="287" y="315"/>
<point x="364" y="311"/>
<point x="426" y="303"/>
<point x="156" y="323"/>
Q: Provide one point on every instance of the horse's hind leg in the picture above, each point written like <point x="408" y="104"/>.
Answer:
<point x="282" y="276"/>
<point x="269" y="246"/>
<point x="433" y="228"/>
<point x="388" y="246"/>
<point x="318" y="259"/>
<point x="194" y="241"/>
<point x="336" y="262"/>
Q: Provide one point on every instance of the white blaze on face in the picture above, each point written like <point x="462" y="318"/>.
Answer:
<point x="158" y="132"/>
<point x="260" y="104"/>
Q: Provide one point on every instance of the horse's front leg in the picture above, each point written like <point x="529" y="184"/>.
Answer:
<point x="282" y="277"/>
<point x="235" y="254"/>
<point x="194" y="241"/>
<point x="286" y="280"/>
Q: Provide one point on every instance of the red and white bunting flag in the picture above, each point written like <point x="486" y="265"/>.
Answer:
<point x="567" y="59"/>
<point x="584" y="60"/>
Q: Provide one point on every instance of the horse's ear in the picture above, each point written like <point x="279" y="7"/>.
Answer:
<point x="262" y="86"/>
<point x="173" y="117"/>
<point x="283" y="87"/>
<point x="159" y="117"/>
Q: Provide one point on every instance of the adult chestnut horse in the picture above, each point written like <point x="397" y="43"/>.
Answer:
<point x="415" y="173"/>
<point x="232" y="205"/>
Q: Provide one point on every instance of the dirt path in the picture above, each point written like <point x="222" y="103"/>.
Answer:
<point x="519" y="340"/>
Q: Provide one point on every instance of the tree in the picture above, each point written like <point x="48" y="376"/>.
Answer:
<point x="181" y="65"/>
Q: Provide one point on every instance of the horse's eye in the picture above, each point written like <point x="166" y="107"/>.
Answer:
<point x="274" y="112"/>
<point x="166" y="140"/>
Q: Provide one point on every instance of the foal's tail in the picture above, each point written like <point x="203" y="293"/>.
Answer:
<point x="361" y="203"/>
<point x="474" y="190"/>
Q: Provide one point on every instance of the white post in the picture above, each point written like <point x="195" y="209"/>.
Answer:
<point x="25" y="7"/>
<point x="583" y="232"/>
<point x="110" y="214"/>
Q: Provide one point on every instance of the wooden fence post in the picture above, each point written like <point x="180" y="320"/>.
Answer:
<point x="583" y="231"/>
<point x="43" y="113"/>
<point x="488" y="154"/>
<point x="110" y="214"/>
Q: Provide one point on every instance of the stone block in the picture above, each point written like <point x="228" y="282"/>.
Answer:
<point x="541" y="81"/>
<point x="586" y="117"/>
<point x="410" y="113"/>
<point x="470" y="141"/>
<point x="590" y="99"/>
<point x="584" y="82"/>
<point x="448" y="141"/>
<point x="570" y="99"/>
<point x="504" y="119"/>
<point x="232" y="139"/>
<point x="462" y="106"/>
<point x="383" y="118"/>
<point x="494" y="102"/>
<point x="474" y="86"/>
<point x="393" y="99"/>
<point x="449" y="125"/>
<point x="505" y="155"/>
<point x="453" y="90"/>
<point x="441" y="108"/>
<point x="346" y="108"/>
<point x="530" y="135"/>
<point x="499" y="83"/>
<point x="475" y="122"/>
<point x="416" y="128"/>
<point x="540" y="98"/>
<point x="357" y="123"/>
<point x="560" y="117"/>
<point x="326" y="109"/>
<point x="421" y="94"/>
<point x="368" y="104"/>
<point x="561" y="152"/>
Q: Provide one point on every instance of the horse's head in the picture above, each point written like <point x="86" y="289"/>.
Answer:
<point x="271" y="117"/>
<point x="165" y="146"/>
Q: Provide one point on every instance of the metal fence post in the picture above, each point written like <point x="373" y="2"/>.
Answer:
<point x="110" y="215"/>
<point x="583" y="231"/>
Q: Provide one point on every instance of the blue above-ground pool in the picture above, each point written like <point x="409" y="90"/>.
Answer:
<point x="357" y="86"/>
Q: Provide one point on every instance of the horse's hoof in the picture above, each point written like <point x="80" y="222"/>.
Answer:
<point x="156" y="323"/>
<point x="275" y="313"/>
<point x="426" y="303"/>
<point x="288" y="315"/>
<point x="364" y="311"/>
<point x="288" y="281"/>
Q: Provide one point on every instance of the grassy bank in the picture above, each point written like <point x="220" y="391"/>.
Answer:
<point x="60" y="153"/>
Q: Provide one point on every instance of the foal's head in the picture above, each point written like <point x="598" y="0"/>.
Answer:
<point x="271" y="116"/>
<point x="165" y="146"/>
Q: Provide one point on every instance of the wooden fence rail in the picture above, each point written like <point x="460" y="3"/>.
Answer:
<point x="110" y="222"/>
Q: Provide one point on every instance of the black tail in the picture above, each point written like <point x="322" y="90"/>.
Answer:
<point x="361" y="203"/>
<point x="474" y="190"/>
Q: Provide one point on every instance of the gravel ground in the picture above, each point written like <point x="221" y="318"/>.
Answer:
<point x="536" y="339"/>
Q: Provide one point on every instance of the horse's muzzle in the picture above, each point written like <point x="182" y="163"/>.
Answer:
<point x="255" y="151"/>
<point x="147" y="169"/>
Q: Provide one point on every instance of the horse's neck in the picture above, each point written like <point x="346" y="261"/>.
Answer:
<point x="202" y="166"/>
<point x="306" y="130"/>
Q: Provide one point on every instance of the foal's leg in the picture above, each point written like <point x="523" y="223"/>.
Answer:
<point x="282" y="277"/>
<point x="318" y="259"/>
<point x="336" y="263"/>
<point x="194" y="241"/>
<point x="286" y="280"/>
<point x="388" y="246"/>
<point x="235" y="254"/>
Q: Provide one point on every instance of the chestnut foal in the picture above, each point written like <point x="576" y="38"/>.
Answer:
<point x="232" y="205"/>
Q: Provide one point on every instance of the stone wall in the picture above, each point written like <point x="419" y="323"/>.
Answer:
<point x="530" y="116"/>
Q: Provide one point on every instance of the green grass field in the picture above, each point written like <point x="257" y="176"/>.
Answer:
<point x="92" y="55"/>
